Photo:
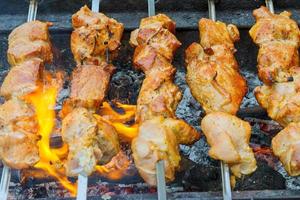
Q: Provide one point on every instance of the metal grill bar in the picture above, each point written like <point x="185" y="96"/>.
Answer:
<point x="224" y="167"/>
<point x="151" y="7"/>
<point x="32" y="11"/>
<point x="161" y="182"/>
<point x="4" y="185"/>
<point x="270" y="5"/>
<point x="95" y="5"/>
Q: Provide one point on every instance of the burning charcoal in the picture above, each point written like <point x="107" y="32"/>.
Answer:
<point x="203" y="178"/>
<point x="124" y="86"/>
<point x="264" y="178"/>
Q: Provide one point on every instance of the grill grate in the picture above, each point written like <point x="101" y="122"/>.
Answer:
<point x="126" y="82"/>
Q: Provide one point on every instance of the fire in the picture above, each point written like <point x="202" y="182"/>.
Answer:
<point x="43" y="100"/>
<point x="116" y="168"/>
<point x="109" y="115"/>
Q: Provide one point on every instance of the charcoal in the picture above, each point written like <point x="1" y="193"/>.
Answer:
<point x="208" y="178"/>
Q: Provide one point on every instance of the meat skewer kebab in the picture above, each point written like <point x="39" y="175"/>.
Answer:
<point x="159" y="130"/>
<point x="94" y="35"/>
<point x="212" y="75"/>
<point x="18" y="83"/>
<point x="280" y="98"/>
<point x="279" y="47"/>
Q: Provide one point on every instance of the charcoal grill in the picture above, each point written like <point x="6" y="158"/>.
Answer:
<point x="200" y="176"/>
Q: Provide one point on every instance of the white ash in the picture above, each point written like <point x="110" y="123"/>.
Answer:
<point x="252" y="82"/>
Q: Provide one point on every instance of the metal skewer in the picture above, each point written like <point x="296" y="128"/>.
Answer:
<point x="224" y="167"/>
<point x="270" y="5"/>
<point x="6" y="171"/>
<point x="160" y="166"/>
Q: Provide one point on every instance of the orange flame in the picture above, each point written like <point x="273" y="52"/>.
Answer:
<point x="109" y="115"/>
<point x="116" y="168"/>
<point x="43" y="100"/>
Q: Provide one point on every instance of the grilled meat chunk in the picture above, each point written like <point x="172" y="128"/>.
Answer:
<point x="89" y="85"/>
<point x="22" y="79"/>
<point x="281" y="100"/>
<point x="157" y="140"/>
<point x="278" y="39"/>
<point x="286" y="146"/>
<point x="229" y="138"/>
<point x="213" y="77"/>
<point x="18" y="134"/>
<point x="94" y="33"/>
<point x="158" y="96"/>
<point x="29" y="40"/>
<point x="217" y="33"/>
<point x="156" y="31"/>
<point x="90" y="142"/>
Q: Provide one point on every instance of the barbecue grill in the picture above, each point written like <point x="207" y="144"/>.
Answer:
<point x="200" y="176"/>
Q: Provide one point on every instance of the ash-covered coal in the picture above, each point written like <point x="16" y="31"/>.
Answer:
<point x="252" y="82"/>
<point x="202" y="177"/>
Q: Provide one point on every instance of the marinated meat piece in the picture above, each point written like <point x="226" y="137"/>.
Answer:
<point x="107" y="140"/>
<point x="22" y="79"/>
<point x="229" y="139"/>
<point x="89" y="85"/>
<point x="277" y="62"/>
<point x="217" y="33"/>
<point x="281" y="100"/>
<point x="155" y="142"/>
<point x="271" y="27"/>
<point x="154" y="32"/>
<point x="278" y="39"/>
<point x="18" y="135"/>
<point x="161" y="19"/>
<point x="94" y="33"/>
<point x="286" y="145"/>
<point x="90" y="142"/>
<point x="157" y="99"/>
<point x="29" y="40"/>
<point x="158" y="96"/>
<point x="213" y="78"/>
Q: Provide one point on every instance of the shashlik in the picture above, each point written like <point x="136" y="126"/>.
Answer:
<point x="212" y="71"/>
<point x="94" y="34"/>
<point x="286" y="146"/>
<point x="229" y="139"/>
<point x="29" y="49"/>
<point x="215" y="82"/>
<point x="278" y="64"/>
<point x="160" y="132"/>
<point x="278" y="39"/>
<point x="91" y="140"/>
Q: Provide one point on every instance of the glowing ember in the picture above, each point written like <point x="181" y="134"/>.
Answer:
<point x="43" y="100"/>
<point x="109" y="115"/>
<point x="116" y="168"/>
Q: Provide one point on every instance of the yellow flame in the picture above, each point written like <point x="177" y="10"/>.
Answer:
<point x="44" y="100"/>
<point x="109" y="115"/>
<point x="107" y="112"/>
<point x="124" y="131"/>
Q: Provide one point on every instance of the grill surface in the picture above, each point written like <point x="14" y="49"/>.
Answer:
<point x="200" y="174"/>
